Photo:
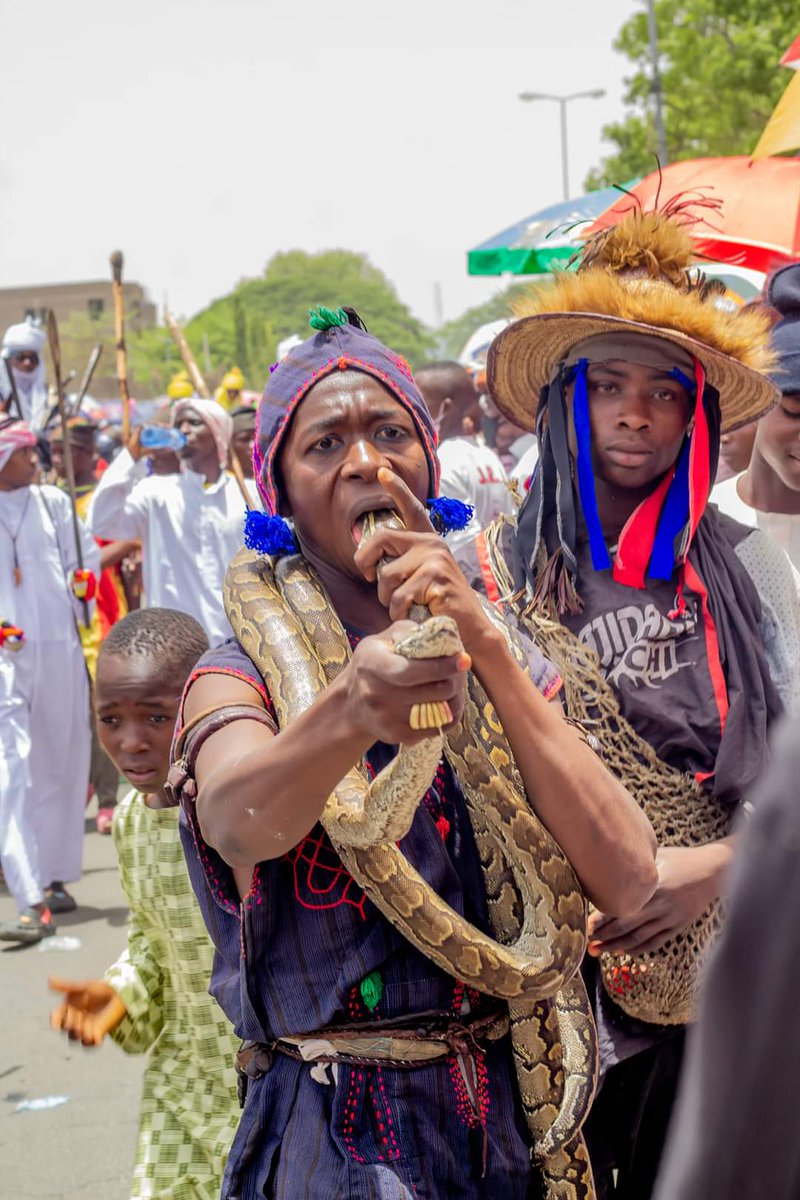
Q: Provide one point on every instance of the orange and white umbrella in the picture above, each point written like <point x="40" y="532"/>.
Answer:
<point x="757" y="223"/>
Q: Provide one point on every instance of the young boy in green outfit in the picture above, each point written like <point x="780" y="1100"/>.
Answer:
<point x="155" y="997"/>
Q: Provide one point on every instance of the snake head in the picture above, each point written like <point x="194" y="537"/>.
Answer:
<point x="371" y="520"/>
<point x="437" y="637"/>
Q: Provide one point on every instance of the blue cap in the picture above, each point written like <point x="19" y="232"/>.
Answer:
<point x="783" y="294"/>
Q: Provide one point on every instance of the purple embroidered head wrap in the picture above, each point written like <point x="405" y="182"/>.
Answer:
<point x="338" y="347"/>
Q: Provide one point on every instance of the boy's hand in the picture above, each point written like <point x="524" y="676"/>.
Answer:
<point x="90" y="1010"/>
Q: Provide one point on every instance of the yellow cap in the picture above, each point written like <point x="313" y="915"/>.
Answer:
<point x="233" y="381"/>
<point x="180" y="387"/>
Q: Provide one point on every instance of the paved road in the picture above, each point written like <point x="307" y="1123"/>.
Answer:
<point x="82" y="1150"/>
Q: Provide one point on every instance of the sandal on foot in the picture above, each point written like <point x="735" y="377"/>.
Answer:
<point x="58" y="899"/>
<point x="30" y="926"/>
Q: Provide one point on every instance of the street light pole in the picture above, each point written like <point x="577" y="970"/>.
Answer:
<point x="562" y="104"/>
<point x="658" y="106"/>
<point x="563" y="101"/>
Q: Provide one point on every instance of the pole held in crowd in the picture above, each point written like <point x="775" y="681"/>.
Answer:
<point x="69" y="466"/>
<point x="52" y="411"/>
<point x="201" y="387"/>
<point x="198" y="382"/>
<point x="85" y="383"/>
<point x="119" y="334"/>
<point x="14" y="398"/>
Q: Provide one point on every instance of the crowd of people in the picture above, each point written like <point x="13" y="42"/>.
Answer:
<point x="604" y="517"/>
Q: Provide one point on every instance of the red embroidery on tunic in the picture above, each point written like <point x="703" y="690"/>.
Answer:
<point x="320" y="880"/>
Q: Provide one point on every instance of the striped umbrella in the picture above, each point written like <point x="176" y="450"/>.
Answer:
<point x="544" y="240"/>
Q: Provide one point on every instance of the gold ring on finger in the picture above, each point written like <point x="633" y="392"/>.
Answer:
<point x="430" y="715"/>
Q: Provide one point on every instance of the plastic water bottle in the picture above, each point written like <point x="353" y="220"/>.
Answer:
<point x="161" y="437"/>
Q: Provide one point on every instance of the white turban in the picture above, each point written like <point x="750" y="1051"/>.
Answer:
<point x="31" y="385"/>
<point x="288" y="344"/>
<point x="23" y="337"/>
<point x="218" y="421"/>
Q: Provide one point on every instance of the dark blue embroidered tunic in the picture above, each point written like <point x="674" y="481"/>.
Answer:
<point x="290" y="959"/>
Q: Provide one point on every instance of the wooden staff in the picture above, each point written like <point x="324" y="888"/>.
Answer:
<point x="198" y="383"/>
<point x="14" y="397"/>
<point x="69" y="466"/>
<point x="83" y="387"/>
<point x="119" y="333"/>
<point x="201" y="387"/>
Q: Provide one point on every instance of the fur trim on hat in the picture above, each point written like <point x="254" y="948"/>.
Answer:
<point x="646" y="243"/>
<point x="743" y="335"/>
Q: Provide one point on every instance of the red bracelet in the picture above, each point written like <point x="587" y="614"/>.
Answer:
<point x="84" y="584"/>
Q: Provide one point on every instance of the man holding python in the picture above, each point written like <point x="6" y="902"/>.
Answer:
<point x="353" y="921"/>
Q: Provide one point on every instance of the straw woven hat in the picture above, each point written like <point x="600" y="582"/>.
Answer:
<point x="630" y="285"/>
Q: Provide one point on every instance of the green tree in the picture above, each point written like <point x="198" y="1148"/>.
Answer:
<point x="720" y="76"/>
<point x="453" y="335"/>
<point x="275" y="305"/>
<point x="152" y="356"/>
<point x="241" y="345"/>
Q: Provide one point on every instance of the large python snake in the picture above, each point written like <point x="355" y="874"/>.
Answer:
<point x="284" y="620"/>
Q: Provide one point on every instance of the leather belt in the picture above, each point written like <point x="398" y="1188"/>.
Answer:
<point x="404" y="1046"/>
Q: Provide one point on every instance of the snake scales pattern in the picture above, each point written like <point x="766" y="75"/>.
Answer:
<point x="285" y="622"/>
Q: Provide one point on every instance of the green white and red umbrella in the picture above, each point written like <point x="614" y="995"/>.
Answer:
<point x="545" y="240"/>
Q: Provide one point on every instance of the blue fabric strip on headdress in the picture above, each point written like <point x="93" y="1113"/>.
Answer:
<point x="675" y="510"/>
<point x="601" y="559"/>
<point x="674" y="515"/>
<point x="684" y="379"/>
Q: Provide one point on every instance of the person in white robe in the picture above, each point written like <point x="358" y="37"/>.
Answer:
<point x="22" y="357"/>
<point x="766" y="492"/>
<point x="471" y="471"/>
<point x="44" y="690"/>
<point x="190" y="525"/>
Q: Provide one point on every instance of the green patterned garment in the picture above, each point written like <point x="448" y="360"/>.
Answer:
<point x="189" y="1109"/>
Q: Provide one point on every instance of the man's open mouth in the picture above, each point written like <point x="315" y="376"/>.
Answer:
<point x="380" y="514"/>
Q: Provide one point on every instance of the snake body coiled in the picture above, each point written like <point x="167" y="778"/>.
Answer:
<point x="285" y="622"/>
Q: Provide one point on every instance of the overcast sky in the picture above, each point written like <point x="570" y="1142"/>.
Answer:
<point x="201" y="136"/>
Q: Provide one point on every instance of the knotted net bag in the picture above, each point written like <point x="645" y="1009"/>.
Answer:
<point x="658" y="986"/>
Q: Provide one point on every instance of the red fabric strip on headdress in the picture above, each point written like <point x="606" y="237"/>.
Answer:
<point x="699" y="458"/>
<point x="636" y="540"/>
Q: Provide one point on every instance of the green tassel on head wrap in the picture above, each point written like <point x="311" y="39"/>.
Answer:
<point x="372" y="990"/>
<point x="326" y="318"/>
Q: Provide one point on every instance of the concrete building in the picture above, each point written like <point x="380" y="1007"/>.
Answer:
<point x="91" y="300"/>
<point x="92" y="297"/>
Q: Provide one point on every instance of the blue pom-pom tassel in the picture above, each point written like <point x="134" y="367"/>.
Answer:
<point x="268" y="535"/>
<point x="448" y="514"/>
